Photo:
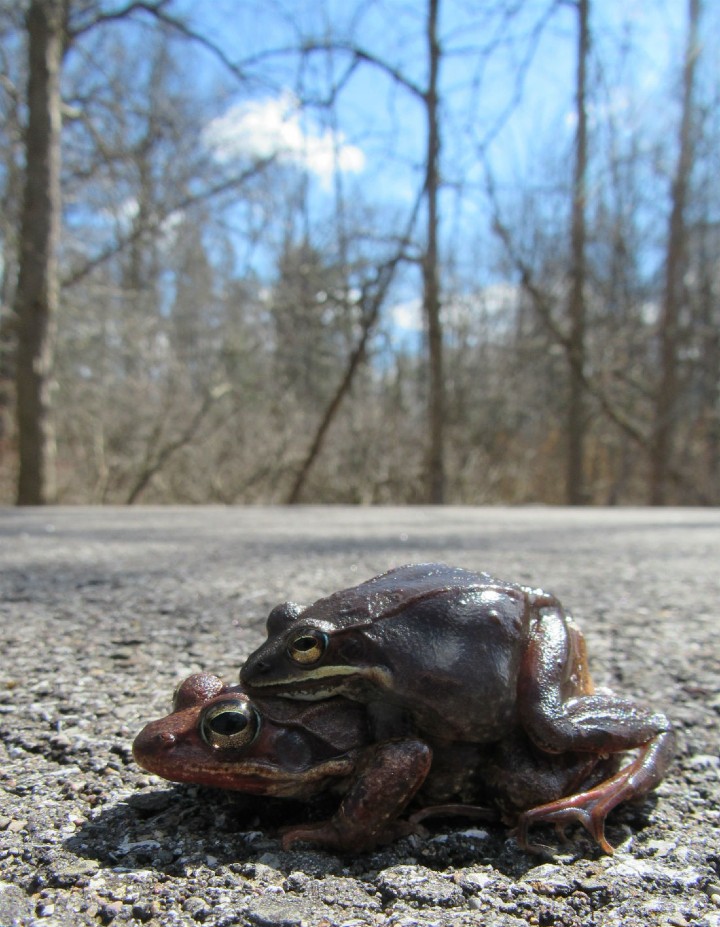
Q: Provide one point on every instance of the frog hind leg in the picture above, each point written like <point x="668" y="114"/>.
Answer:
<point x="560" y="712"/>
<point x="591" y="808"/>
<point x="385" y="783"/>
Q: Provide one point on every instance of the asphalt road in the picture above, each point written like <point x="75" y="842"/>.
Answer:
<point x="103" y="611"/>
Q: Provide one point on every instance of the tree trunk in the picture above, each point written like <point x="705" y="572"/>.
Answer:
<point x="431" y="286"/>
<point x="709" y="319"/>
<point x="577" y="421"/>
<point x="37" y="291"/>
<point x="666" y="397"/>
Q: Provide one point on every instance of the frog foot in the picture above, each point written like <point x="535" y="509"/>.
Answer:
<point x="323" y="834"/>
<point x="591" y="808"/>
<point x="329" y="836"/>
<point x="583" y="809"/>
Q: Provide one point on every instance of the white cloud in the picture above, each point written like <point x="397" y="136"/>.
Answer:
<point x="274" y="126"/>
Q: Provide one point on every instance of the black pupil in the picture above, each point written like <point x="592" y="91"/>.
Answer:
<point x="228" y="723"/>
<point x="305" y="643"/>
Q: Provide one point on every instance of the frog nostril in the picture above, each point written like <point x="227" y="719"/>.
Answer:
<point x="255" y="667"/>
<point x="166" y="739"/>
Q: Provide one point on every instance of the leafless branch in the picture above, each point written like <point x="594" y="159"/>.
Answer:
<point x="543" y="307"/>
<point x="372" y="298"/>
<point x="359" y="55"/>
<point x="185" y="203"/>
<point x="156" y="459"/>
<point x="158" y="11"/>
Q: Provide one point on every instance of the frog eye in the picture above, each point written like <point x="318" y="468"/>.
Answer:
<point x="230" y="725"/>
<point x="307" y="646"/>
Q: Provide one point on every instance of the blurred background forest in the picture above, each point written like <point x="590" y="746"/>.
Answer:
<point x="376" y="251"/>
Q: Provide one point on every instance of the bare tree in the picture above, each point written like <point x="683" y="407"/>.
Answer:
<point x="666" y="398"/>
<point x="372" y="297"/>
<point x="430" y="268"/>
<point x="36" y="298"/>
<point x="49" y="34"/>
<point x="576" y="416"/>
<point x="428" y="95"/>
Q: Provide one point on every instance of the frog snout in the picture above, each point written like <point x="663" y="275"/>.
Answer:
<point x="253" y="668"/>
<point x="151" y="743"/>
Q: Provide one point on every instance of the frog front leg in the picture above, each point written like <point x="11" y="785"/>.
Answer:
<point x="383" y="786"/>
<point x="560" y="712"/>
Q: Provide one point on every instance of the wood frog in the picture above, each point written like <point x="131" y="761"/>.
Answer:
<point x="218" y="736"/>
<point x="444" y="657"/>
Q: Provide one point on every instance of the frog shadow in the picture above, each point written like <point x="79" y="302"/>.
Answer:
<point x="185" y="826"/>
<point x="175" y="829"/>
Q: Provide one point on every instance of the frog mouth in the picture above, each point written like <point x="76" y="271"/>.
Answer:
<point x="274" y="781"/>
<point x="324" y="681"/>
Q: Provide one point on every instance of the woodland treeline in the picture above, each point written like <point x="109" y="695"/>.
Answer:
<point x="309" y="252"/>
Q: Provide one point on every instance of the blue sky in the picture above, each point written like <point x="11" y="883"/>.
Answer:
<point x="508" y="80"/>
<point x="378" y="118"/>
